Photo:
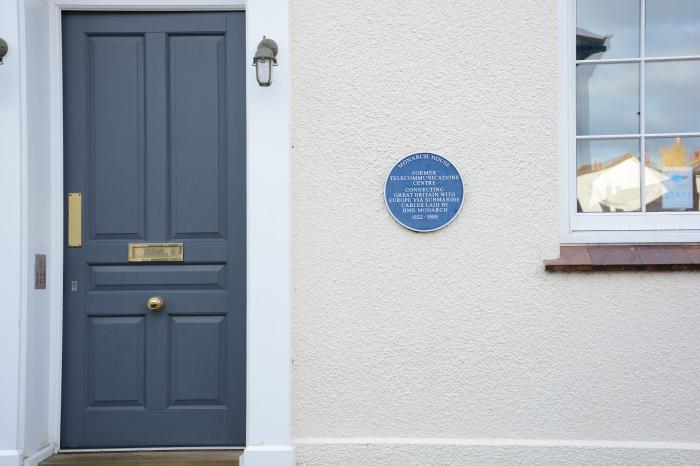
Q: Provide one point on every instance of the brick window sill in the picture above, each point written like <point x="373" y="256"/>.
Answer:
<point x="614" y="257"/>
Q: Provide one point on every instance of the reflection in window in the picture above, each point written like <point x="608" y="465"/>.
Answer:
<point x="672" y="28"/>
<point x="673" y="96"/>
<point x="678" y="159"/>
<point x="615" y="73"/>
<point x="607" y="175"/>
<point x="607" y="29"/>
<point x="607" y="99"/>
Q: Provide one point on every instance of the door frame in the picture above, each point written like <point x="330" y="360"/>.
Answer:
<point x="268" y="315"/>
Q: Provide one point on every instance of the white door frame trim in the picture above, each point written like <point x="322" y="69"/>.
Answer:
<point x="268" y="355"/>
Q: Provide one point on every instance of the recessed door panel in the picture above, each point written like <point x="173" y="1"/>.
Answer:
<point x="117" y="136"/>
<point x="173" y="277"/>
<point x="198" y="162"/>
<point x="154" y="140"/>
<point x="119" y="340"/>
<point x="198" y="352"/>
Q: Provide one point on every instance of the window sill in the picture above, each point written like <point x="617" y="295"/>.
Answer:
<point x="614" y="257"/>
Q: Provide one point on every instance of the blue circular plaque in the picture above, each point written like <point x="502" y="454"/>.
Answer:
<point x="424" y="192"/>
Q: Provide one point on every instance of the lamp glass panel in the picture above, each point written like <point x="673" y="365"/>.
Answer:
<point x="263" y="70"/>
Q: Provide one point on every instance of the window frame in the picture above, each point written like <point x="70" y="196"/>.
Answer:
<point x="627" y="227"/>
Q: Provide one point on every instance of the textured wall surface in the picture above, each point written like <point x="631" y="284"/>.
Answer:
<point x="461" y="334"/>
<point x="412" y="455"/>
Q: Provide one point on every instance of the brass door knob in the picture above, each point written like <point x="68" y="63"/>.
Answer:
<point x="155" y="303"/>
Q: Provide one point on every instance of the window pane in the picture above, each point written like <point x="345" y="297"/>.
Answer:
<point x="607" y="99"/>
<point x="673" y="97"/>
<point x="607" y="175"/>
<point x="672" y="28"/>
<point x="607" y="29"/>
<point x="673" y="172"/>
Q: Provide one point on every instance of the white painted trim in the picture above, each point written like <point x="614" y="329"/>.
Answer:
<point x="38" y="457"/>
<point x="564" y="118"/>
<point x="24" y="227"/>
<point x="107" y="450"/>
<point x="9" y="458"/>
<point x="268" y="455"/>
<point x="268" y="403"/>
<point x="55" y="272"/>
<point x="12" y="234"/>
<point x="501" y="442"/>
<point x="575" y="228"/>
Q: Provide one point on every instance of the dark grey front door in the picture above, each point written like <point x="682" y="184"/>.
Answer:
<point x="154" y="140"/>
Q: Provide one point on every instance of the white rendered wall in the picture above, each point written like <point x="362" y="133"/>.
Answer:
<point x="11" y="297"/>
<point x="38" y="314"/>
<point x="25" y="317"/>
<point x="456" y="347"/>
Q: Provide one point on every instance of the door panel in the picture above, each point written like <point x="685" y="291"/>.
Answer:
<point x="197" y="353"/>
<point x="116" y="73"/>
<point x="197" y="146"/>
<point x="121" y="340"/>
<point x="154" y="138"/>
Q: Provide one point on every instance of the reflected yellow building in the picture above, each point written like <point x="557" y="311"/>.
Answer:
<point x="674" y="156"/>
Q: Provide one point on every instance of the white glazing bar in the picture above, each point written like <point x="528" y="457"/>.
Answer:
<point x="642" y="106"/>
<point x="671" y="135"/>
<point x="607" y="136"/>
<point x="678" y="58"/>
<point x="634" y="136"/>
<point x="606" y="61"/>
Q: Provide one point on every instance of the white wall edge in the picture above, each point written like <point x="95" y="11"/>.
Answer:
<point x="269" y="344"/>
<point x="25" y="265"/>
<point x="564" y="121"/>
<point x="268" y="400"/>
<point x="501" y="442"/>
<point x="268" y="455"/>
<point x="39" y="456"/>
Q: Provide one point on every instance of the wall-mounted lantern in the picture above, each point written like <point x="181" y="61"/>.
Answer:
<point x="265" y="58"/>
<point x="3" y="49"/>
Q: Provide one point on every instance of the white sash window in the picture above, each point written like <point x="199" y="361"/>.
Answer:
<point x="630" y="120"/>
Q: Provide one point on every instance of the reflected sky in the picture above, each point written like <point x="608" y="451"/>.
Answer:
<point x="607" y="95"/>
<point x="672" y="97"/>
<point x="607" y="99"/>
<point x="672" y="27"/>
<point x="618" y="20"/>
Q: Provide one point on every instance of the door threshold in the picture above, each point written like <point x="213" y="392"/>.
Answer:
<point x="137" y="449"/>
<point x="180" y="457"/>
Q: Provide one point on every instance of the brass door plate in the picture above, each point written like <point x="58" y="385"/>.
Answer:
<point x="156" y="252"/>
<point x="75" y="220"/>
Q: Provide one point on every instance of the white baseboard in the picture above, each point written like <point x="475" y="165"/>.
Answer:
<point x="501" y="442"/>
<point x="39" y="456"/>
<point x="9" y="458"/>
<point x="500" y="452"/>
<point x="268" y="455"/>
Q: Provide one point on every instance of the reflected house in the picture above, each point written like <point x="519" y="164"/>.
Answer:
<point x="588" y="43"/>
<point x="614" y="186"/>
